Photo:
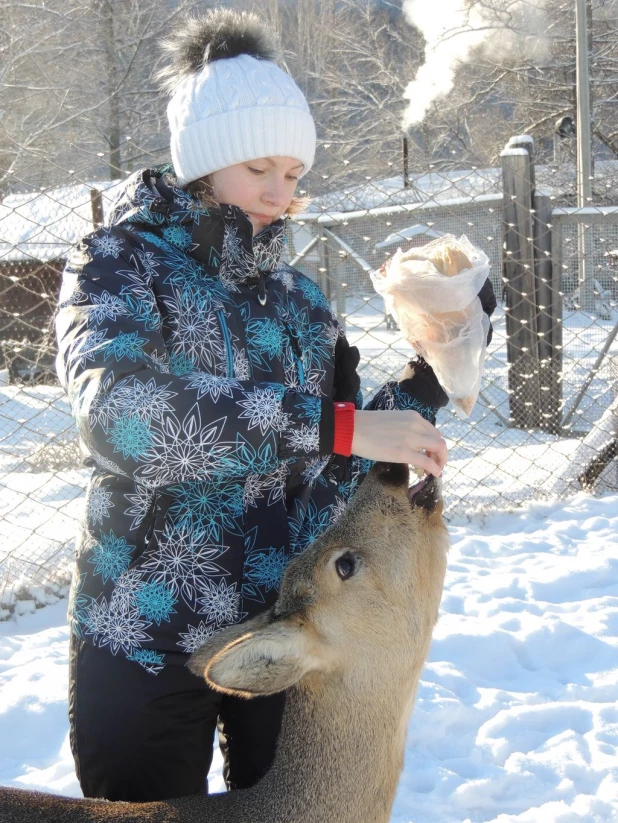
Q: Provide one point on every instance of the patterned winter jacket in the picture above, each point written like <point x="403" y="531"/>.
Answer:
<point x="201" y="372"/>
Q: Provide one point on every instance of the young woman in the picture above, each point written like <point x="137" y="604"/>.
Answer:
<point x="217" y="402"/>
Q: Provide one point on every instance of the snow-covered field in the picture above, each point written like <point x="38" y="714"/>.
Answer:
<point x="517" y="714"/>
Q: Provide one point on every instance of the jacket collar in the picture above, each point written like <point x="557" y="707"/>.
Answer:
<point x="220" y="239"/>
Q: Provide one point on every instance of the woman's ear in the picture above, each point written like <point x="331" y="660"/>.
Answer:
<point x="261" y="662"/>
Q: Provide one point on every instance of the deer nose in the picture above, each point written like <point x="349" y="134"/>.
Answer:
<point x="426" y="494"/>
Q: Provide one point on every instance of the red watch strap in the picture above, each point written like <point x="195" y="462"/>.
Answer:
<point x="344" y="428"/>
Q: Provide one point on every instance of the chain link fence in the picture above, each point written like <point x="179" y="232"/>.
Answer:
<point x="543" y="396"/>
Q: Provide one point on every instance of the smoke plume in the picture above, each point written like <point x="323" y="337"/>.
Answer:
<point x="453" y="29"/>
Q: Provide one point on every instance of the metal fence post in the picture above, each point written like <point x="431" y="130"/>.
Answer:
<point x="520" y="288"/>
<point x="347" y="253"/>
<point x="584" y="152"/>
<point x="323" y="263"/>
<point x="557" y="272"/>
<point x="549" y="325"/>
<point x="525" y="141"/>
<point x="96" y="203"/>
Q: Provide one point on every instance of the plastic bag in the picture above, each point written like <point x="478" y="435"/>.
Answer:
<point x="432" y="292"/>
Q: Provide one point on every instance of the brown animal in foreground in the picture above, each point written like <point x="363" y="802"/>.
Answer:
<point x="347" y="638"/>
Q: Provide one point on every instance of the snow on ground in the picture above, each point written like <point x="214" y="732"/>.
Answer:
<point x="516" y="719"/>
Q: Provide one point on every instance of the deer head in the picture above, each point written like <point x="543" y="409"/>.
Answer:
<point x="359" y="603"/>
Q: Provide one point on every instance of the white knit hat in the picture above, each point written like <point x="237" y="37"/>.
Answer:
<point x="230" y="102"/>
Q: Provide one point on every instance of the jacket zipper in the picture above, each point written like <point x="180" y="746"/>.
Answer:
<point x="150" y="520"/>
<point x="228" y="343"/>
<point x="297" y="352"/>
<point x="152" y="515"/>
<point x="262" y="296"/>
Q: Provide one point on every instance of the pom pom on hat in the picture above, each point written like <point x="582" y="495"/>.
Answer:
<point x="217" y="35"/>
<point x="230" y="101"/>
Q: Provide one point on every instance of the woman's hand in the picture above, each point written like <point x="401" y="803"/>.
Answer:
<point x="399" y="437"/>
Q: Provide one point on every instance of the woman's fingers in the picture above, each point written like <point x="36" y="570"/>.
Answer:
<point x="434" y="446"/>
<point x="399" y="436"/>
<point x="437" y="459"/>
<point x="439" y="454"/>
<point x="423" y="461"/>
<point x="429" y="440"/>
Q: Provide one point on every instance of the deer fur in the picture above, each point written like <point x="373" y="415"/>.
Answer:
<point x="349" y="652"/>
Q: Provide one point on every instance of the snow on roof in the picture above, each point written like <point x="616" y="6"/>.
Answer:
<point x="332" y="218"/>
<point x="43" y="226"/>
<point x="408" y="234"/>
<point x="390" y="191"/>
<point x="456" y="185"/>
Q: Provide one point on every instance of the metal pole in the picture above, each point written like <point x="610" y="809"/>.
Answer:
<point x="406" y="173"/>
<point x="522" y="343"/>
<point x="584" y="162"/>
<point x="310" y="245"/>
<point x="96" y="203"/>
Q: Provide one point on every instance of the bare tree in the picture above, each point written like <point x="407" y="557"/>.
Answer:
<point x="509" y="88"/>
<point x="35" y="39"/>
<point x="77" y="81"/>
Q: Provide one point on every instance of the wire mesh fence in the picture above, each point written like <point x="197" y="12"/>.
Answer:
<point x="538" y="402"/>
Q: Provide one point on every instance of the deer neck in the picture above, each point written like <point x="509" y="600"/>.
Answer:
<point x="340" y="754"/>
<point x="339" y="758"/>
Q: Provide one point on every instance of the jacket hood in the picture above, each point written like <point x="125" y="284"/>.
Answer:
<point x="220" y="239"/>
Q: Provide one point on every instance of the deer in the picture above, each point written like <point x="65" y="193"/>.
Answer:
<point x="346" y="640"/>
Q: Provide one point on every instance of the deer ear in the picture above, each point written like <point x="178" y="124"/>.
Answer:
<point x="211" y="647"/>
<point x="263" y="662"/>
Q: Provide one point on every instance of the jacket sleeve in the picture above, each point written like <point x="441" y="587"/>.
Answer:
<point x="417" y="390"/>
<point x="134" y="415"/>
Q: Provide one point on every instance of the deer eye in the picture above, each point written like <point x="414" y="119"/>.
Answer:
<point x="346" y="565"/>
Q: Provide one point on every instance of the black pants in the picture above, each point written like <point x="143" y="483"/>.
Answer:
<point x="139" y="737"/>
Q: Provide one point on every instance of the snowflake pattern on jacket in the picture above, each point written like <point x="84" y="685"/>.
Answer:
<point x="202" y="410"/>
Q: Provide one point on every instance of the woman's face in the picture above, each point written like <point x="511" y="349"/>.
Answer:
<point x="262" y="188"/>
